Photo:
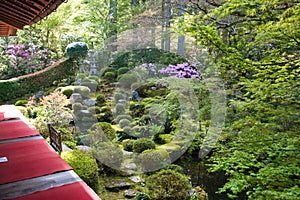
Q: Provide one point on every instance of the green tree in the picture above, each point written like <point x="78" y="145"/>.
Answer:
<point x="256" y="48"/>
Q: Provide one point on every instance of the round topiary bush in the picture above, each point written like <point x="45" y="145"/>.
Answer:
<point x="84" y="165"/>
<point x="143" y="144"/>
<point x="128" y="144"/>
<point x="154" y="159"/>
<point x="100" y="98"/>
<point x="102" y="131"/>
<point x="119" y="109"/>
<point x="77" y="107"/>
<point x="77" y="50"/>
<point x="118" y="96"/>
<point x="124" y="122"/>
<point x="83" y="90"/>
<point x="67" y="91"/>
<point x="168" y="184"/>
<point x="94" y="109"/>
<point x="120" y="117"/>
<point x="122" y="70"/>
<point x="92" y="85"/>
<point x="108" y="154"/>
<point x="109" y="76"/>
<point x="127" y="80"/>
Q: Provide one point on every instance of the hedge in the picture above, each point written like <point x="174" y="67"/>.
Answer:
<point x="32" y="83"/>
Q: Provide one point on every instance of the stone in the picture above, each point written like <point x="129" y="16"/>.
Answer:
<point x="117" y="185"/>
<point x="83" y="148"/>
<point x="131" y="166"/>
<point x="129" y="193"/>
<point x="153" y="88"/>
<point x="78" y="81"/>
<point x="115" y="84"/>
<point x="136" y="179"/>
<point x="89" y="102"/>
<point x="76" y="97"/>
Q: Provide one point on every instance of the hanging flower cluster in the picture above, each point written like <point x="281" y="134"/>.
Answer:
<point x="181" y="71"/>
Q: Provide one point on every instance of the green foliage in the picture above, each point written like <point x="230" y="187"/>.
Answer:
<point x="142" y="196"/>
<point x="153" y="159"/>
<point x="77" y="50"/>
<point x="120" y="117"/>
<point x="68" y="91"/>
<point x="83" y="90"/>
<point x="22" y="102"/>
<point x="92" y="85"/>
<point x="128" y="144"/>
<point x="100" y="98"/>
<point x="84" y="165"/>
<point x="122" y="70"/>
<point x="168" y="184"/>
<point x="126" y="80"/>
<point x="143" y="144"/>
<point x="124" y="122"/>
<point x="119" y="109"/>
<point x="108" y="154"/>
<point x="257" y="56"/>
<point x="109" y="76"/>
<point x="150" y="55"/>
<point x="102" y="131"/>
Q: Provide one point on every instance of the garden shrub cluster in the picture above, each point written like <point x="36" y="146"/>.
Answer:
<point x="143" y="144"/>
<point x="84" y="165"/>
<point x="168" y="184"/>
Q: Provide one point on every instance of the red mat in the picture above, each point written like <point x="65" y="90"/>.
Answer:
<point x="16" y="129"/>
<point x="74" y="191"/>
<point x="29" y="159"/>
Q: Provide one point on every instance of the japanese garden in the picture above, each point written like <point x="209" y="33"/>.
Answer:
<point x="165" y="99"/>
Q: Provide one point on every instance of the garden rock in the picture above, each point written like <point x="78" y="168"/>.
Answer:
<point x="76" y="97"/>
<point x="129" y="193"/>
<point x="90" y="102"/>
<point x="136" y="179"/>
<point x="117" y="185"/>
<point x="84" y="148"/>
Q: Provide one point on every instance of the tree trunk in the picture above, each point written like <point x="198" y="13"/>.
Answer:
<point x="168" y="25"/>
<point x="180" y="47"/>
<point x="113" y="26"/>
<point x="163" y="26"/>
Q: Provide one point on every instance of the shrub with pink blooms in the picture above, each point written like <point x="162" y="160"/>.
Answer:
<point x="22" y="59"/>
<point x="184" y="70"/>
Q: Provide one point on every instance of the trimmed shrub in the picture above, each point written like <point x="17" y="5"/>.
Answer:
<point x="109" y="76"/>
<point x="84" y="165"/>
<point x="100" y="98"/>
<point x="94" y="109"/>
<point x="127" y="80"/>
<point x="91" y="85"/>
<point x="83" y="90"/>
<point x="77" y="107"/>
<point x="124" y="122"/>
<point x="108" y="154"/>
<point x="21" y="102"/>
<point x="143" y="144"/>
<point x="95" y="78"/>
<point x="119" y="109"/>
<point x="120" y="117"/>
<point x="118" y="96"/>
<point x="122" y="70"/>
<point x="128" y="144"/>
<point x="68" y="91"/>
<point x="154" y="159"/>
<point x="77" y="50"/>
<point x="168" y="184"/>
<point x="32" y="83"/>
<point x="97" y="130"/>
